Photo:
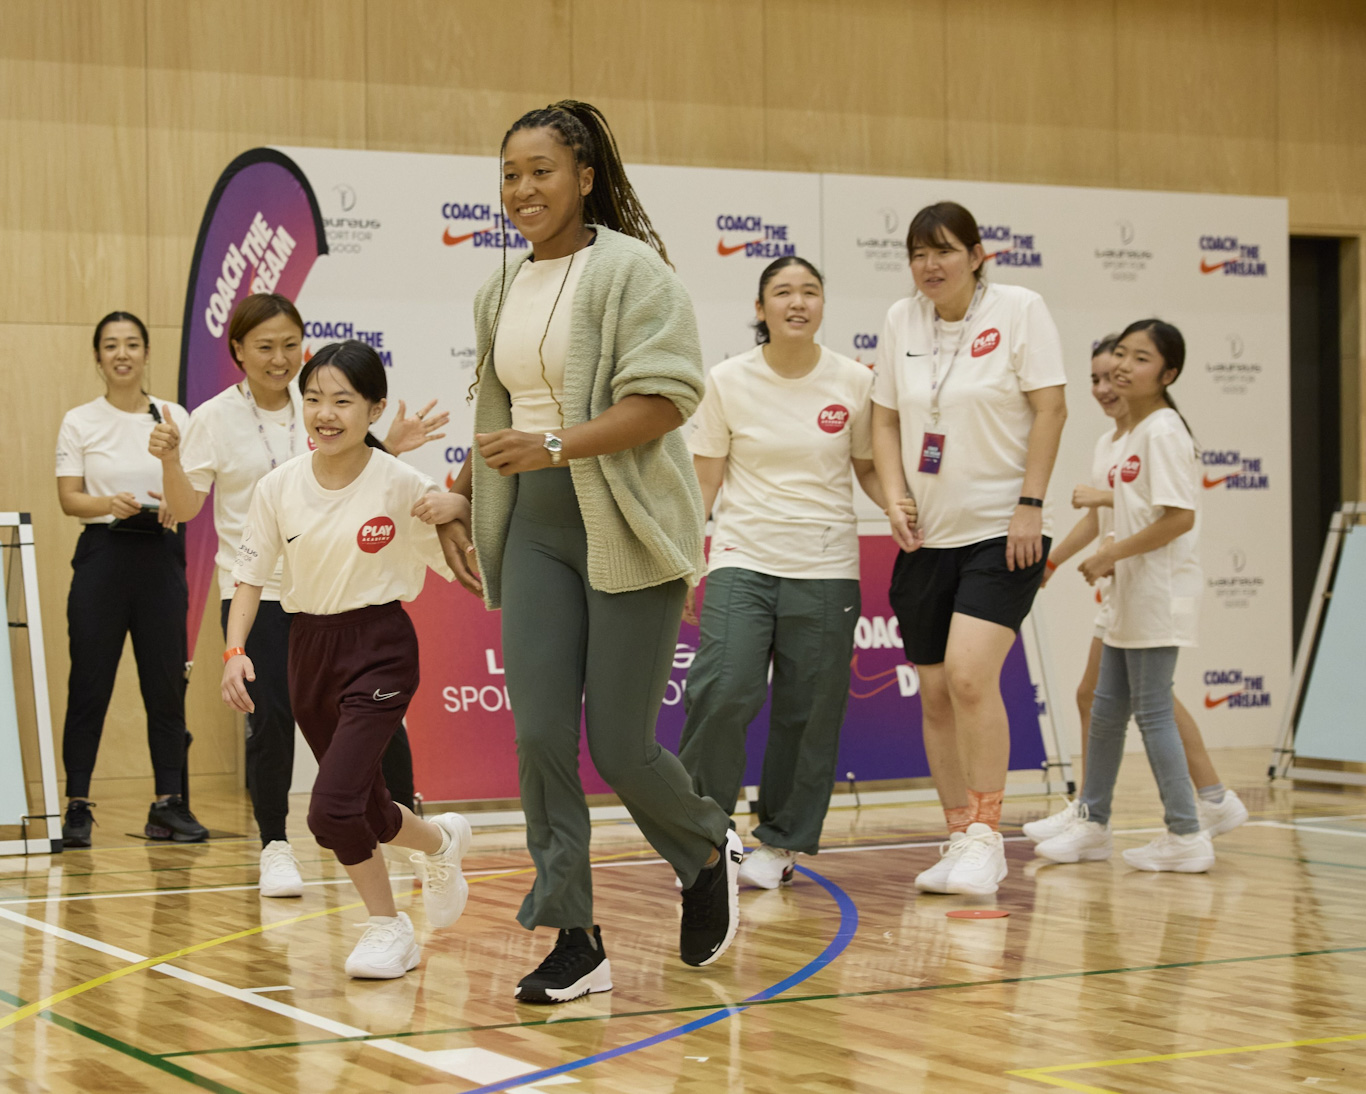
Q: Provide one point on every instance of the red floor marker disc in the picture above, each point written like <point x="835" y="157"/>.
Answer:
<point x="977" y="913"/>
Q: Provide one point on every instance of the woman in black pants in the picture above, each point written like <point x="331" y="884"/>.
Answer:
<point x="129" y="578"/>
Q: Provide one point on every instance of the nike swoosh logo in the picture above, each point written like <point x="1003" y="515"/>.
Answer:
<point x="291" y="539"/>
<point x="723" y="250"/>
<point x="1210" y="704"/>
<point x="1210" y="483"/>
<point x="850" y="608"/>
<point x="450" y="240"/>
<point x="910" y="354"/>
<point x="380" y="696"/>
<point x="1205" y="267"/>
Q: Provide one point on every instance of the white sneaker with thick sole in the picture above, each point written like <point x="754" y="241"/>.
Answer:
<point x="936" y="877"/>
<point x="1083" y="840"/>
<point x="768" y="867"/>
<point x="981" y="864"/>
<point x="1192" y="854"/>
<point x="1223" y="817"/>
<point x="444" y="888"/>
<point x="1053" y="825"/>
<point x="386" y="950"/>
<point x="280" y="870"/>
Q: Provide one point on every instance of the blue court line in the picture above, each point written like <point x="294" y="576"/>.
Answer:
<point x="836" y="946"/>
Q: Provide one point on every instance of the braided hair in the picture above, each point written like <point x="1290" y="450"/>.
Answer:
<point x="612" y="202"/>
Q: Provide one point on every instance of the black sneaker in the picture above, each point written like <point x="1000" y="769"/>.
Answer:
<point x="577" y="965"/>
<point x="76" y="824"/>
<point x="711" y="907"/>
<point x="173" y="820"/>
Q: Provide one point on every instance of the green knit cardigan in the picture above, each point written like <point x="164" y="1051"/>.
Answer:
<point x="632" y="332"/>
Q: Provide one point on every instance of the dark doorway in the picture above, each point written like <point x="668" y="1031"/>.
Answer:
<point x="1315" y="407"/>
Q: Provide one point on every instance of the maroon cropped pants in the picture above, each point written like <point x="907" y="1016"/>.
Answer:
<point x="351" y="678"/>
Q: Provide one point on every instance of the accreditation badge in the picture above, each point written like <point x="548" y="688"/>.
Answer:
<point x="931" y="453"/>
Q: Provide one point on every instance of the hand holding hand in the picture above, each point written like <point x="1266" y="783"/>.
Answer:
<point x="902" y="516"/>
<point x="442" y="507"/>
<point x="458" y="548"/>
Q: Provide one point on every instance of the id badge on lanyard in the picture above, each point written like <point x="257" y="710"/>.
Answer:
<point x="932" y="447"/>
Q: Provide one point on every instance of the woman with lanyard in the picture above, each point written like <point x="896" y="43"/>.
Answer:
<point x="587" y="530"/>
<point x="784" y="428"/>
<point x="128" y="578"/>
<point x="233" y="440"/>
<point x="968" y="410"/>
<point x="1220" y="809"/>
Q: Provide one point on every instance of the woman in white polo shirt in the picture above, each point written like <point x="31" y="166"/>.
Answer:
<point x="784" y="428"/>
<point x="233" y="441"/>
<point x="968" y="410"/>
<point x="128" y="578"/>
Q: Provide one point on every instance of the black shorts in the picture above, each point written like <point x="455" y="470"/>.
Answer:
<point x="931" y="584"/>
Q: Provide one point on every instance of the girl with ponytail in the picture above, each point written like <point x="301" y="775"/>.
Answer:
<point x="581" y="518"/>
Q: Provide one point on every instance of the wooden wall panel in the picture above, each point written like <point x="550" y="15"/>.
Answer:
<point x="856" y="88"/>
<point x="1196" y="95"/>
<point x="680" y="82"/>
<point x="451" y="78"/>
<point x="1031" y="91"/>
<point x="223" y="78"/>
<point x="73" y="185"/>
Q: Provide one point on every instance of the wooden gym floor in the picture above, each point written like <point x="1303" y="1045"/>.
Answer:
<point x="131" y="967"/>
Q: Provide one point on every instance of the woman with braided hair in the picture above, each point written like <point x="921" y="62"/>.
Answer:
<point x="582" y="520"/>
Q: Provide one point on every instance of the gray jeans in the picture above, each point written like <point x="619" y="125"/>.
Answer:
<point x="574" y="653"/>
<point x="1138" y="683"/>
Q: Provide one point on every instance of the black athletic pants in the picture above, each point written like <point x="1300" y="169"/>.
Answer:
<point x="126" y="583"/>
<point x="270" y="731"/>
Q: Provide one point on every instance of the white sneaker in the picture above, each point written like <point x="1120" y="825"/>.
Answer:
<point x="386" y="950"/>
<point x="981" y="865"/>
<point x="280" y="870"/>
<point x="1083" y="840"/>
<point x="1221" y="818"/>
<point x="936" y="877"/>
<point x="1053" y="825"/>
<point x="1193" y="854"/>
<point x="444" y="888"/>
<point x="768" y="867"/>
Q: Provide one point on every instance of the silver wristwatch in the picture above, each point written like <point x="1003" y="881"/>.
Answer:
<point x="555" y="447"/>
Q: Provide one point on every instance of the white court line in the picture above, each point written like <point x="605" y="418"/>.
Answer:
<point x="1301" y="827"/>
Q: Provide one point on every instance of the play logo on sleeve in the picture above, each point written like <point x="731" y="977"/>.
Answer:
<point x="833" y="418"/>
<point x="374" y="534"/>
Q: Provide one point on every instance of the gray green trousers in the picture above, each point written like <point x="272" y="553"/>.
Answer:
<point x="571" y="652"/>
<point x="807" y="627"/>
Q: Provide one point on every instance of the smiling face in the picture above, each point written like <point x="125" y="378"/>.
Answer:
<point x="336" y="417"/>
<point x="543" y="189"/>
<point x="944" y="269"/>
<point x="793" y="304"/>
<point x="1103" y="388"/>
<point x="1140" y="373"/>
<point x="122" y="355"/>
<point x="271" y="354"/>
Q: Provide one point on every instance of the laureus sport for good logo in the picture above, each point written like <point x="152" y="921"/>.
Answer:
<point x="374" y="534"/>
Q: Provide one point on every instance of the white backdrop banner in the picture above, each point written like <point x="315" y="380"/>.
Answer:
<point x="411" y="238"/>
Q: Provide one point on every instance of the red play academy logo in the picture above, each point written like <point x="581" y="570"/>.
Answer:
<point x="1111" y="475"/>
<point x="1129" y="469"/>
<point x="833" y="418"/>
<point x="985" y="342"/>
<point x="374" y="534"/>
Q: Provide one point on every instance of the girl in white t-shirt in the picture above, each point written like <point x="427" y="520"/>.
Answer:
<point x="968" y="410"/>
<point x="1152" y="557"/>
<point x="784" y="428"/>
<point x="341" y="518"/>
<point x="128" y="577"/>
<point x="1220" y="809"/>
<point x="232" y="441"/>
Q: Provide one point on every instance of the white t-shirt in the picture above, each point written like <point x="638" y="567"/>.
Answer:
<point x="107" y="447"/>
<point x="787" y="506"/>
<point x="228" y="447"/>
<point x="517" y="348"/>
<point x="343" y="549"/>
<point x="1156" y="595"/>
<point x="1104" y="463"/>
<point x="1010" y="347"/>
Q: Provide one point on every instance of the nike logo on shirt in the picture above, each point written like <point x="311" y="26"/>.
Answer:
<point x="291" y="539"/>
<point x="850" y="608"/>
<point x="380" y="696"/>
<point x="910" y="354"/>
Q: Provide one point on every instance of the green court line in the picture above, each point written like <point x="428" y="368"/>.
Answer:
<point x="151" y="1059"/>
<point x="870" y="993"/>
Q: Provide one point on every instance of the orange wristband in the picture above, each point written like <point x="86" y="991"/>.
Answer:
<point x="228" y="655"/>
<point x="1050" y="565"/>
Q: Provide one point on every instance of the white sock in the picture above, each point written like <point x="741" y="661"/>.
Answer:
<point x="445" y="842"/>
<point x="383" y="920"/>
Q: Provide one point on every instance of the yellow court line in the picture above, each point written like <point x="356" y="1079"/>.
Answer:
<point x="1048" y="1074"/>
<point x="118" y="974"/>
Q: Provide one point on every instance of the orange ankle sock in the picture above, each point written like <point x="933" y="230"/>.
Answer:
<point x="985" y="807"/>
<point x="959" y="817"/>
